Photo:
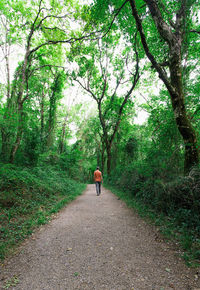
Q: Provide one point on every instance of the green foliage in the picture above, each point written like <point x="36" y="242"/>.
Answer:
<point x="28" y="197"/>
<point x="178" y="201"/>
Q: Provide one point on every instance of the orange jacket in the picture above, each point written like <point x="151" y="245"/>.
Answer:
<point x="97" y="175"/>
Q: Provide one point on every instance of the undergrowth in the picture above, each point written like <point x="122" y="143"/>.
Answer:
<point x="28" y="197"/>
<point x="173" y="205"/>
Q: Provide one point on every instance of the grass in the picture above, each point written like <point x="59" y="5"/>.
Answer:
<point x="28" y="199"/>
<point x="187" y="241"/>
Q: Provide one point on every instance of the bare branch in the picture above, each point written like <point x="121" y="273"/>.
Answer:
<point x="146" y="102"/>
<point x="195" y="31"/>
<point x="104" y="89"/>
<point x="87" y="89"/>
<point x="127" y="96"/>
<point x="53" y="28"/>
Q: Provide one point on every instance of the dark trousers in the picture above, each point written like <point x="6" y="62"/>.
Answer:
<point x="98" y="187"/>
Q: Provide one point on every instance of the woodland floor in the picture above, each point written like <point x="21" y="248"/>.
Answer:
<point x="96" y="242"/>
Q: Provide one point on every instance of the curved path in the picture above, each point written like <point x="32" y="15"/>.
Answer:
<point x="96" y="242"/>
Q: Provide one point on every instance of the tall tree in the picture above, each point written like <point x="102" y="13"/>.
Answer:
<point x="172" y="31"/>
<point x="102" y="74"/>
<point x="167" y="24"/>
<point x="49" y="24"/>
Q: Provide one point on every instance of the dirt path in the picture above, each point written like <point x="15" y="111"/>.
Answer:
<point x="96" y="242"/>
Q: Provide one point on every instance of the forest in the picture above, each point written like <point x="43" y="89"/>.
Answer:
<point x="110" y="83"/>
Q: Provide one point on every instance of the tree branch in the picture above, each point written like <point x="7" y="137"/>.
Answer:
<point x="53" y="28"/>
<point x="104" y="89"/>
<point x="115" y="16"/>
<point x="136" y="78"/>
<point x="45" y="65"/>
<point x="100" y="60"/>
<point x="180" y="14"/>
<point x="51" y="16"/>
<point x="87" y="89"/>
<point x="195" y="112"/>
<point x="163" y="28"/>
<point x="70" y="41"/>
<point x="162" y="74"/>
<point x="195" y="31"/>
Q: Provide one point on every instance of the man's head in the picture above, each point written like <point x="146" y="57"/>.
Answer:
<point x="97" y="167"/>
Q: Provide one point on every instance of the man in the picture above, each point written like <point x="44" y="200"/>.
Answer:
<point x="98" y="179"/>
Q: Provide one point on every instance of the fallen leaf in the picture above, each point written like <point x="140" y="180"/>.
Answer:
<point x="168" y="270"/>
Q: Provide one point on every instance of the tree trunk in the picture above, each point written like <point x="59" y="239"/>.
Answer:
<point x="51" y="125"/>
<point x="183" y="123"/>
<point x="52" y="111"/>
<point x="98" y="155"/>
<point x="109" y="158"/>
<point x="5" y="134"/>
<point x="19" y="134"/>
<point x="5" y="148"/>
<point x="8" y="128"/>
<point x="20" y="102"/>
<point x="63" y="134"/>
<point x="42" y="121"/>
<point x="103" y="158"/>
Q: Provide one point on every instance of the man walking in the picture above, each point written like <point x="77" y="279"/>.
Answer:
<point x="98" y="179"/>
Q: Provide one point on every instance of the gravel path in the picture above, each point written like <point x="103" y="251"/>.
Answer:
<point x="96" y="242"/>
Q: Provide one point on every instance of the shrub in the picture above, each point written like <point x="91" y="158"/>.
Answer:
<point x="178" y="198"/>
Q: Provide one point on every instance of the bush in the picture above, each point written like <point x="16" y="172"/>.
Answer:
<point x="178" y="198"/>
<point x="174" y="203"/>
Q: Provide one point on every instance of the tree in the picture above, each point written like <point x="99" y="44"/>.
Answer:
<point x="7" y="40"/>
<point x="168" y="24"/>
<point x="172" y="32"/>
<point x="56" y="94"/>
<point x="102" y="74"/>
<point x="49" y="23"/>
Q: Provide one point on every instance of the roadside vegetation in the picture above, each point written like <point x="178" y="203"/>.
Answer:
<point x="29" y="197"/>
<point x="172" y="206"/>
